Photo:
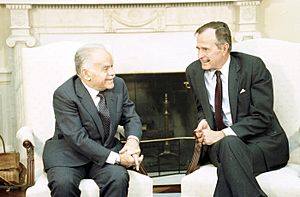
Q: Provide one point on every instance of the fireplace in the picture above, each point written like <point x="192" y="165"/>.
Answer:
<point x="168" y="113"/>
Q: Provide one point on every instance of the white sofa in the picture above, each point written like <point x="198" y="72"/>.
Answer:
<point x="283" y="60"/>
<point x="44" y="69"/>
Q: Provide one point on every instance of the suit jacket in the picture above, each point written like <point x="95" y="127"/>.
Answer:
<point x="254" y="120"/>
<point x="79" y="134"/>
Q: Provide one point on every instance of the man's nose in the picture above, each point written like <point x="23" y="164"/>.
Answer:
<point x="200" y="54"/>
<point x="111" y="71"/>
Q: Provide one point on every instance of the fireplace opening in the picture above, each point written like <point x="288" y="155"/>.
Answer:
<point x="168" y="113"/>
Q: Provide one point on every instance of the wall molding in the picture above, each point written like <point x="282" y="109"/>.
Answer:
<point x="112" y="2"/>
<point x="5" y="76"/>
<point x="117" y="6"/>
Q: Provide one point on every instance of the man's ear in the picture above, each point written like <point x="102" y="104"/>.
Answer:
<point x="225" y="48"/>
<point x="85" y="73"/>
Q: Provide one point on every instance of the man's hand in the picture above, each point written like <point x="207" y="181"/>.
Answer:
<point x="205" y="135"/>
<point x="127" y="160"/>
<point x="131" y="149"/>
<point x="210" y="137"/>
<point x="198" y="131"/>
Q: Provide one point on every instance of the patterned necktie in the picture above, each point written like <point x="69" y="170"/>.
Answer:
<point x="218" y="102"/>
<point x="195" y="162"/>
<point x="104" y="114"/>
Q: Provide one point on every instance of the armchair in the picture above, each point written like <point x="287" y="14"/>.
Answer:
<point x="44" y="68"/>
<point x="283" y="60"/>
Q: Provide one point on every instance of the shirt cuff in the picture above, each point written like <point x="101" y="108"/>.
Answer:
<point x="228" y="131"/>
<point x="133" y="137"/>
<point x="113" y="158"/>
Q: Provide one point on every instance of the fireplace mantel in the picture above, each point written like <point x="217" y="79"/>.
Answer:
<point x="30" y="21"/>
<point x="152" y="32"/>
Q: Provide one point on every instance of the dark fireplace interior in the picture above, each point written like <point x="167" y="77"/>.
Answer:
<point x="167" y="109"/>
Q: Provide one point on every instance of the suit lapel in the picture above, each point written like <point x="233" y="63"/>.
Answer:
<point x="88" y="104"/>
<point x="233" y="82"/>
<point x="202" y="94"/>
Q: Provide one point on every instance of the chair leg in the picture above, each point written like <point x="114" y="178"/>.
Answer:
<point x="30" y="162"/>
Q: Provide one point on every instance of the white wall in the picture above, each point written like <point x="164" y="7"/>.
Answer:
<point x="280" y="19"/>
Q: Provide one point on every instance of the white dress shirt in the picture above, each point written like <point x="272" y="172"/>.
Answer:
<point x="210" y="83"/>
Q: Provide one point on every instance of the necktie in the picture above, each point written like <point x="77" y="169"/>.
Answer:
<point x="104" y="115"/>
<point x="194" y="164"/>
<point x="218" y="102"/>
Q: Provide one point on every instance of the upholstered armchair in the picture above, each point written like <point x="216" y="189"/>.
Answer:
<point x="44" y="68"/>
<point x="283" y="60"/>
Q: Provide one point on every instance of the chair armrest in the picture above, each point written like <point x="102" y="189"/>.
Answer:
<point x="195" y="162"/>
<point x="25" y="135"/>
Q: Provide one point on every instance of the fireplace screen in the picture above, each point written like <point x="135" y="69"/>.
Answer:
<point x="167" y="109"/>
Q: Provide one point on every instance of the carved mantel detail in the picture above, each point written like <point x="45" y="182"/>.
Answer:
<point x="137" y="20"/>
<point x="20" y="29"/>
<point x="246" y="20"/>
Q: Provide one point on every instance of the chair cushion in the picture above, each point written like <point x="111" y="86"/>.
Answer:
<point x="277" y="183"/>
<point x="282" y="182"/>
<point x="139" y="185"/>
<point x="201" y="182"/>
<point x="88" y="188"/>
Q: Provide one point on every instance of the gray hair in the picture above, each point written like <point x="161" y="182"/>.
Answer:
<point x="84" y="54"/>
<point x="223" y="33"/>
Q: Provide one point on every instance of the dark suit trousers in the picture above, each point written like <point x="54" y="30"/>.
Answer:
<point x="237" y="165"/>
<point x="111" y="179"/>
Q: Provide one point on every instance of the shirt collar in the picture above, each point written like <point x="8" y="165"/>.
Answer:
<point x="91" y="91"/>
<point x="224" y="70"/>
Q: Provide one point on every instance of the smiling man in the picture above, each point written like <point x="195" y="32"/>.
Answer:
<point x="88" y="109"/>
<point x="237" y="125"/>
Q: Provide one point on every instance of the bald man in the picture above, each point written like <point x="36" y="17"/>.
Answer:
<point x="88" y="108"/>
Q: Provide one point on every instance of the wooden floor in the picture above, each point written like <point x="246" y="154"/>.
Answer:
<point x="12" y="193"/>
<point x="156" y="189"/>
<point x="167" y="188"/>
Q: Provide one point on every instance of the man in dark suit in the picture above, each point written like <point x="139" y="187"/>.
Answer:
<point x="84" y="143"/>
<point x="247" y="139"/>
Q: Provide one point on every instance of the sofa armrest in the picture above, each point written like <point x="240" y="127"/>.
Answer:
<point x="25" y="135"/>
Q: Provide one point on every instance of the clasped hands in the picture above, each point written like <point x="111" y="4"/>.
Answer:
<point x="130" y="154"/>
<point x="205" y="135"/>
